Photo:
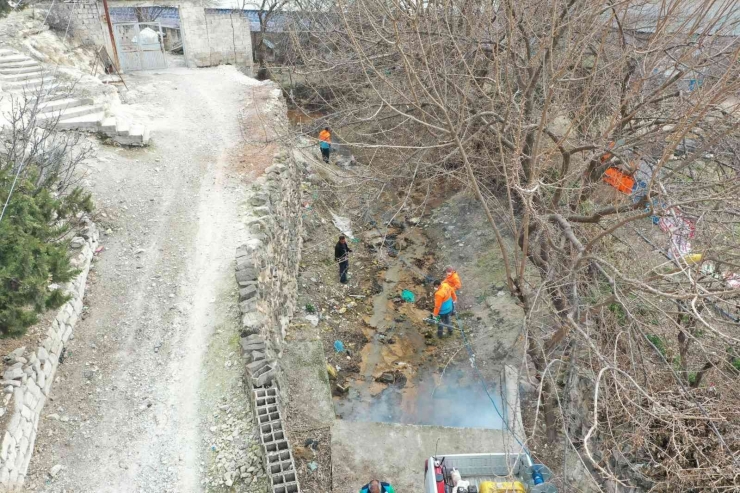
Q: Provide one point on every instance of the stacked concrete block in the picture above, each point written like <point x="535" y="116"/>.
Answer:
<point x="279" y="465"/>
<point x="28" y="379"/>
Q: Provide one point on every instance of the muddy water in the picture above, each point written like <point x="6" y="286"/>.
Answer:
<point x="399" y="379"/>
<point x="382" y="302"/>
<point x="297" y="117"/>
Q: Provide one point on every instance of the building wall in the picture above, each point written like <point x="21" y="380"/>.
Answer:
<point x="210" y="36"/>
<point x="215" y="36"/>
<point x="84" y="18"/>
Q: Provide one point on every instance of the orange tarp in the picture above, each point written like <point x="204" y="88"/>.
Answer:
<point x="620" y="181"/>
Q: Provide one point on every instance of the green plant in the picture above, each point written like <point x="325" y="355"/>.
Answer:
<point x="657" y="342"/>
<point x="619" y="311"/>
<point x="692" y="377"/>
<point x="310" y="308"/>
<point x="736" y="363"/>
<point x="33" y="257"/>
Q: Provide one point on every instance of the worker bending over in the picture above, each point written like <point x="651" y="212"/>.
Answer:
<point x="376" y="486"/>
<point x="444" y="297"/>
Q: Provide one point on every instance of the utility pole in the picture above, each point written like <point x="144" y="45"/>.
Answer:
<point x="112" y="37"/>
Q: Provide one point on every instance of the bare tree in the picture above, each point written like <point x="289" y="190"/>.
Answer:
<point x="148" y="14"/>
<point x="600" y="138"/>
<point x="267" y="12"/>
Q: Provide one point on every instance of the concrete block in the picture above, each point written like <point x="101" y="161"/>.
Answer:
<point x="264" y="379"/>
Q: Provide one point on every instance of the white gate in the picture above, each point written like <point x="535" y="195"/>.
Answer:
<point x="139" y="46"/>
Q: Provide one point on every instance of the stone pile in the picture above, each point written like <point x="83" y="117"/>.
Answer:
<point x="29" y="374"/>
<point x="238" y="455"/>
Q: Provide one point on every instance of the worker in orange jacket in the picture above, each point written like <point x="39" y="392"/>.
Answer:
<point x="444" y="297"/>
<point x="453" y="281"/>
<point x="325" y="143"/>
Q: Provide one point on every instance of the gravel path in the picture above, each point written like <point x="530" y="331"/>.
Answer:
<point x="152" y="378"/>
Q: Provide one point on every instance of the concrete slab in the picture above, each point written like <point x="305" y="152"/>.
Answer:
<point x="310" y="404"/>
<point x="396" y="453"/>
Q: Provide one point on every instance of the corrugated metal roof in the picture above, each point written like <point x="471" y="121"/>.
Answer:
<point x="168" y="16"/>
<point x="721" y="18"/>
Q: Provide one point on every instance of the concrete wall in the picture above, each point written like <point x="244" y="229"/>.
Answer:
<point x="29" y="375"/>
<point x="215" y="36"/>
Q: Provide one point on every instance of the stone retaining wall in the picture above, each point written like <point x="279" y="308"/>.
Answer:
<point x="266" y="271"/>
<point x="267" y="268"/>
<point x="28" y="375"/>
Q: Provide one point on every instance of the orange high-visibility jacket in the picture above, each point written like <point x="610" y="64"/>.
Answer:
<point x="325" y="136"/>
<point x="443" y="295"/>
<point x="453" y="280"/>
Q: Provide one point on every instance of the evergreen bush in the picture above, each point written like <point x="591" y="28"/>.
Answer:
<point x="32" y="255"/>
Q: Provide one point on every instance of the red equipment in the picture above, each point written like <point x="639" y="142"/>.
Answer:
<point x="439" y="474"/>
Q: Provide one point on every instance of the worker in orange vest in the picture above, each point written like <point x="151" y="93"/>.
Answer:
<point x="325" y="143"/>
<point x="453" y="281"/>
<point x="444" y="297"/>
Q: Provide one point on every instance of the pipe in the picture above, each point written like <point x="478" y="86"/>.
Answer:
<point x="112" y="36"/>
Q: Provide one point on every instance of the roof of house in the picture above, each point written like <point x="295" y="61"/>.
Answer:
<point x="167" y="16"/>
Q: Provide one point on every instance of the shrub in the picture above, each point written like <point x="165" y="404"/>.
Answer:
<point x="32" y="255"/>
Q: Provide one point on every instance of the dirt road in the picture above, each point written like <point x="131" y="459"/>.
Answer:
<point x="154" y="361"/>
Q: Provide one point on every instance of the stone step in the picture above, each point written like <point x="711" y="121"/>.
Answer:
<point x="19" y="64"/>
<point x="108" y="126"/>
<point x="23" y="76"/>
<point x="88" y="123"/>
<point x="60" y="91"/>
<point x="137" y="136"/>
<point x="15" y="57"/>
<point x="20" y="70"/>
<point x="122" y="129"/>
<point x="47" y="92"/>
<point x="7" y="51"/>
<point x="63" y="104"/>
<point x="68" y="113"/>
<point x="30" y="83"/>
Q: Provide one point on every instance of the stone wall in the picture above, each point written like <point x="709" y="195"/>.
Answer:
<point x="266" y="272"/>
<point x="267" y="267"/>
<point x="29" y="374"/>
